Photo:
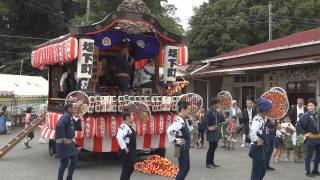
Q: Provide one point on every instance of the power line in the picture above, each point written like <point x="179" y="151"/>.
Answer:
<point x="22" y="37"/>
<point x="13" y="52"/>
<point x="45" y="10"/>
<point x="47" y="33"/>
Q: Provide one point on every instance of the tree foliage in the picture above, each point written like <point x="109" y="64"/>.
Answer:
<point x="220" y="26"/>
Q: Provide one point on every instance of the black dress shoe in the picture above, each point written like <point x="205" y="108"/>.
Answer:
<point x="316" y="173"/>
<point x="210" y="166"/>
<point x="214" y="165"/>
<point x="309" y="174"/>
<point x="271" y="169"/>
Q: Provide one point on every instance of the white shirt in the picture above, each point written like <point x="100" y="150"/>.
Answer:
<point x="299" y="111"/>
<point x="250" y="115"/>
<point x="146" y="74"/>
<point x="123" y="131"/>
<point x="64" y="77"/>
<point x="175" y="128"/>
<point x="257" y="126"/>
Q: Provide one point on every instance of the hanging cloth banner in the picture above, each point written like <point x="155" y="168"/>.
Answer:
<point x="170" y="63"/>
<point x="85" y="58"/>
<point x="56" y="53"/>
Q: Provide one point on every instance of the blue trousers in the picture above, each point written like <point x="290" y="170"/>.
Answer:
<point x="184" y="163"/>
<point x="269" y="151"/>
<point x="64" y="164"/>
<point x="308" y="157"/>
<point x="258" y="155"/>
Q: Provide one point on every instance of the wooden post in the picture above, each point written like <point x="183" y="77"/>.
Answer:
<point x="157" y="74"/>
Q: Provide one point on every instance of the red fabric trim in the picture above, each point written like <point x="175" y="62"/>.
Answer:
<point x="97" y="144"/>
<point x="156" y="123"/>
<point x="147" y="141"/>
<point x="98" y="126"/>
<point x="162" y="142"/>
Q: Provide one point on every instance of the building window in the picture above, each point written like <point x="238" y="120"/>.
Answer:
<point x="236" y="79"/>
<point x="252" y="79"/>
<point x="247" y="78"/>
<point x="291" y="86"/>
<point x="244" y="79"/>
<point x="299" y="86"/>
<point x="302" y="87"/>
<point x="312" y="86"/>
<point x="258" y="78"/>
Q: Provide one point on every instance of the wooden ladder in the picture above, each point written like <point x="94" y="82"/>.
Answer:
<point x="33" y="125"/>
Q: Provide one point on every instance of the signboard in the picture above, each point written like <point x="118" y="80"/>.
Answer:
<point x="170" y="63"/>
<point x="85" y="58"/>
<point x="308" y="75"/>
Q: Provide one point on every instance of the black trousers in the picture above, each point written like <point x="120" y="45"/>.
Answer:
<point x="64" y="163"/>
<point x="184" y="163"/>
<point x="123" y="83"/>
<point x="127" y="164"/>
<point x="211" y="152"/>
<point x="269" y="147"/>
<point x="259" y="165"/>
<point x="308" y="157"/>
<point x="201" y="135"/>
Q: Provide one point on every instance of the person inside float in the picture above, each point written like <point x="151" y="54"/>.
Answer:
<point x="105" y="74"/>
<point x="122" y="67"/>
<point x="147" y="75"/>
<point x="68" y="81"/>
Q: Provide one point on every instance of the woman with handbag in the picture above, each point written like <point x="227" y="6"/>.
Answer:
<point x="179" y="134"/>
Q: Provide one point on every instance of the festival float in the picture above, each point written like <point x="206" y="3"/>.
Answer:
<point x="86" y="56"/>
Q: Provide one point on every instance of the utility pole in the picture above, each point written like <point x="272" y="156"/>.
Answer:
<point x="21" y="67"/>
<point x="270" y="21"/>
<point x="88" y="11"/>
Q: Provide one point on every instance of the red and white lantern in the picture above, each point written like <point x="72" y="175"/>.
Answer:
<point x="61" y="52"/>
<point x="182" y="55"/>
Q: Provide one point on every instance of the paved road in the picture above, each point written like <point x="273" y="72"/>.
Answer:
<point x="35" y="164"/>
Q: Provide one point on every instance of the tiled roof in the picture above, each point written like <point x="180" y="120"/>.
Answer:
<point x="300" y="38"/>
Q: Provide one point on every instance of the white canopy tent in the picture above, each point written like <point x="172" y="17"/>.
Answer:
<point x="23" y="86"/>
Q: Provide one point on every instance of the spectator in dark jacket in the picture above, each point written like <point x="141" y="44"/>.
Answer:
<point x="309" y="126"/>
<point x="213" y="119"/>
<point x="247" y="116"/>
<point x="296" y="110"/>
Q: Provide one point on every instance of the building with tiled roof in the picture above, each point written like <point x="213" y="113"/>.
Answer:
<point x="291" y="62"/>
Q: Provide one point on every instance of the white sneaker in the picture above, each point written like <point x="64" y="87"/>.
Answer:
<point x="243" y="145"/>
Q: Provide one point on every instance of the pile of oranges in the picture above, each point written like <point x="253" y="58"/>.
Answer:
<point x="157" y="165"/>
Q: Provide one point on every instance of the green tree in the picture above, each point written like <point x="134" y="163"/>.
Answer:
<point x="221" y="26"/>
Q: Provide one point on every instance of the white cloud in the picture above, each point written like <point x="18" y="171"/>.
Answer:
<point x="184" y="9"/>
